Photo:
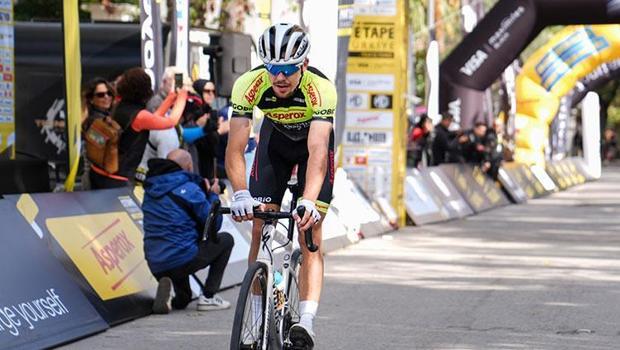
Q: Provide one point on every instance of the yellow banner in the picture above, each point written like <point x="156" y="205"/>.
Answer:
<point x="373" y="147"/>
<point x="73" y="78"/>
<point x="108" y="251"/>
<point x="552" y="72"/>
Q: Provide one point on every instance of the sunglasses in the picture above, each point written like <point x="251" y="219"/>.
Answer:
<point x="287" y="69"/>
<point x="208" y="91"/>
<point x="103" y="94"/>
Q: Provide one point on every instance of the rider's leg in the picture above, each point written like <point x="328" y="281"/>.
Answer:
<point x="311" y="276"/>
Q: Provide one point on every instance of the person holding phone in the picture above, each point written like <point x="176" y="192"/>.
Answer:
<point x="135" y="121"/>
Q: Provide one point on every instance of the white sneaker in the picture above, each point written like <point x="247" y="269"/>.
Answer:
<point x="163" y="298"/>
<point x="215" y="303"/>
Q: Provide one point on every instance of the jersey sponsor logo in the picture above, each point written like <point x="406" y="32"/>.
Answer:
<point x="285" y="115"/>
<point x="250" y="95"/>
<point x="296" y="126"/>
<point x="325" y="112"/>
<point x="313" y="93"/>
<point x="240" y="108"/>
<point x="263" y="199"/>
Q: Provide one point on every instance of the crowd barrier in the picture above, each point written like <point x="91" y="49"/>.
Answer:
<point x="83" y="255"/>
<point x="40" y="304"/>
<point x="432" y="194"/>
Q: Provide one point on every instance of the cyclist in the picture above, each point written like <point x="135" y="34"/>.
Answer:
<point x="299" y="104"/>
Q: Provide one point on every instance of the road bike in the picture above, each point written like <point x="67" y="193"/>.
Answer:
<point x="268" y="303"/>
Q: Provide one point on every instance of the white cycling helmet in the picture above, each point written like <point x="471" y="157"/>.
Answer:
<point x="283" y="43"/>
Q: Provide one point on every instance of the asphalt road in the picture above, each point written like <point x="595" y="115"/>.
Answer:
<point x="544" y="275"/>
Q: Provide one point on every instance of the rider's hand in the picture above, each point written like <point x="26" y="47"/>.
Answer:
<point x="242" y="206"/>
<point x="311" y="216"/>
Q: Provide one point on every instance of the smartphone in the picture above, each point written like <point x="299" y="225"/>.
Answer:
<point x="178" y="80"/>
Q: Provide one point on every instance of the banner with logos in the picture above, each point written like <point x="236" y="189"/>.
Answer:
<point x="454" y="206"/>
<point x="7" y="80"/>
<point x="40" y="304"/>
<point x="423" y="206"/>
<point x="180" y="34"/>
<point x="498" y="39"/>
<point x="373" y="142"/>
<point x="97" y="236"/>
<point x="555" y="78"/>
<point x="477" y="188"/>
<point x="152" y="43"/>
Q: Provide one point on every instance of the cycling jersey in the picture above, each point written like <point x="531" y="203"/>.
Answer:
<point x="314" y="99"/>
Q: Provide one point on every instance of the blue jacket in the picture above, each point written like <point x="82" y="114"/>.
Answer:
<point x="171" y="227"/>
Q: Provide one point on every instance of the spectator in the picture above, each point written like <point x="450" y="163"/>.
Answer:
<point x="442" y="145"/>
<point x="165" y="86"/>
<point x="419" y="140"/>
<point x="207" y="146"/>
<point x="473" y="148"/>
<point x="610" y="145"/>
<point x="98" y="98"/>
<point x="176" y="206"/>
<point x="98" y="95"/>
<point x="135" y="122"/>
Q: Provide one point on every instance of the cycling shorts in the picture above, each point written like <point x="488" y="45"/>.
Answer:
<point x="276" y="156"/>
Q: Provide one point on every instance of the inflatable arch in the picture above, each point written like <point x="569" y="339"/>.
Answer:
<point x="576" y="60"/>
<point x="498" y="40"/>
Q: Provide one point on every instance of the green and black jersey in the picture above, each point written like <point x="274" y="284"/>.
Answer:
<point x="314" y="99"/>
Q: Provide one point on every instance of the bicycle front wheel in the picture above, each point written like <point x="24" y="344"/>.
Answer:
<point x="249" y="324"/>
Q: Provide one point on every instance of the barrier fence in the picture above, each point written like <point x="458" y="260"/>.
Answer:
<point x="81" y="260"/>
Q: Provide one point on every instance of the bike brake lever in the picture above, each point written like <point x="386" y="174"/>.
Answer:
<point x="308" y="234"/>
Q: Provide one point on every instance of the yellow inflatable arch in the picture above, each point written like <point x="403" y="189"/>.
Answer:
<point x="552" y="72"/>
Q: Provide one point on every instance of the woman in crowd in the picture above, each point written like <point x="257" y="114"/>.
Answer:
<point x="135" y="121"/>
<point x="98" y="95"/>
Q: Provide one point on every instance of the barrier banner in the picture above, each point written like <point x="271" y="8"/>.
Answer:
<point x="423" y="206"/>
<point x="452" y="202"/>
<point x="581" y="167"/>
<point x="374" y="140"/>
<point x="565" y="174"/>
<point x="511" y="185"/>
<point x="477" y="188"/>
<point x="97" y="236"/>
<point x="40" y="304"/>
<point x="525" y="179"/>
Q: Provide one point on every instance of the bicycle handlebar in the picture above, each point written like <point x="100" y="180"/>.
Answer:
<point x="216" y="207"/>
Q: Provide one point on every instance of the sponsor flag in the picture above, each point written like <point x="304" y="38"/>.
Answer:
<point x="151" y="48"/>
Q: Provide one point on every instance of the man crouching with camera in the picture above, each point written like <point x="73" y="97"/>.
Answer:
<point x="176" y="206"/>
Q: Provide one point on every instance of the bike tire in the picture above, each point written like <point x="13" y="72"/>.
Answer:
<point x="239" y="339"/>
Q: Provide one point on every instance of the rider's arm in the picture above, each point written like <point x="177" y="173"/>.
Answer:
<point x="318" y="145"/>
<point x="235" y="161"/>
<point x="318" y="136"/>
<point x="239" y="128"/>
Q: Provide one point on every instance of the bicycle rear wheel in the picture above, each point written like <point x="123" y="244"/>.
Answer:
<point x="249" y="322"/>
